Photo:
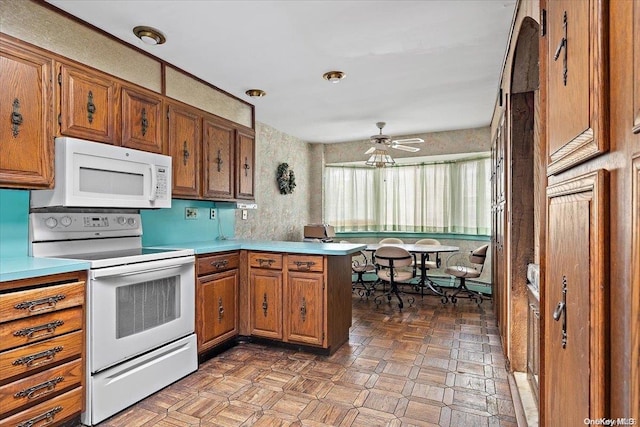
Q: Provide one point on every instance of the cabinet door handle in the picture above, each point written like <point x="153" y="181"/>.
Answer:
<point x="219" y="161"/>
<point x="304" y="265"/>
<point x="48" y="416"/>
<point x="185" y="153"/>
<point x="91" y="107"/>
<point x="46" y="387"/>
<point x="49" y="303"/>
<point x="144" y="123"/>
<point x="246" y="166"/>
<point x="47" y="355"/>
<point x="561" y="45"/>
<point x="265" y="304"/>
<point x="303" y="310"/>
<point x="16" y="118"/>
<point x="50" y="329"/>
<point x="220" y="310"/>
<point x="561" y="312"/>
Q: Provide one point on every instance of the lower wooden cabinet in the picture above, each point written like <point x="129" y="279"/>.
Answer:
<point x="216" y="300"/>
<point x="42" y="345"/>
<point x="304" y="307"/>
<point x="265" y="289"/>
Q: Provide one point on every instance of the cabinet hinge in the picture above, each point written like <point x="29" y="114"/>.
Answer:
<point x="543" y="22"/>
<point x="60" y="119"/>
<point x="59" y="78"/>
<point x="323" y="336"/>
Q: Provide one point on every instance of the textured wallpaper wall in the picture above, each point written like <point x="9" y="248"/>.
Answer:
<point x="280" y="217"/>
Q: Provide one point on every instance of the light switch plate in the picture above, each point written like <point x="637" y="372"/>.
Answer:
<point x="190" y="213"/>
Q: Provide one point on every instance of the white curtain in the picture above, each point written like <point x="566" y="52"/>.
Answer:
<point x="436" y="198"/>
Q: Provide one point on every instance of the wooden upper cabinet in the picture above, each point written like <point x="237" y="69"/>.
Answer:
<point x="88" y="105"/>
<point x="185" y="138"/>
<point x="26" y="106"/>
<point x="218" y="142"/>
<point x="245" y="164"/>
<point x="142" y="120"/>
<point x="577" y="83"/>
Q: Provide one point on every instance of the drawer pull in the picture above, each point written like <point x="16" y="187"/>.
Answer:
<point x="48" y="386"/>
<point x="265" y="262"/>
<point x="48" y="355"/>
<point x="220" y="264"/>
<point x="48" y="416"/>
<point x="49" y="303"/>
<point x="220" y="310"/>
<point x="50" y="329"/>
<point x="304" y="265"/>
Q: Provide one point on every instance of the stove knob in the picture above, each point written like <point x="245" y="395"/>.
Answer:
<point x="122" y="220"/>
<point x="66" y="221"/>
<point x="131" y="221"/>
<point x="51" y="222"/>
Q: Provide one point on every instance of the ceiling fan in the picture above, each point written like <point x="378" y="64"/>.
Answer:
<point x="382" y="141"/>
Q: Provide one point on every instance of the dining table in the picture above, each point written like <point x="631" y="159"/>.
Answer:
<point x="423" y="251"/>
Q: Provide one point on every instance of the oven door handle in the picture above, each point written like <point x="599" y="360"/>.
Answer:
<point x="140" y="268"/>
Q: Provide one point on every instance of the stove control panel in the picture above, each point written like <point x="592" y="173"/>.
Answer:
<point x="43" y="225"/>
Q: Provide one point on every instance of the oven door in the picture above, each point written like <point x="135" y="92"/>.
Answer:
<point x="138" y="307"/>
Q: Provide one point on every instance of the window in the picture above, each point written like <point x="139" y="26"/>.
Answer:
<point x="452" y="197"/>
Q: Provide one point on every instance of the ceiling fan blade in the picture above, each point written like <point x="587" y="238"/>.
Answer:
<point x="408" y="141"/>
<point x="370" y="150"/>
<point x="405" y="148"/>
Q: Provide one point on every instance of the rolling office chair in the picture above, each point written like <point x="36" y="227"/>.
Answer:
<point x="477" y="257"/>
<point x="391" y="263"/>
<point x="360" y="265"/>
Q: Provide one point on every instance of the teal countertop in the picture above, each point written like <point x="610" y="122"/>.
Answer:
<point x="214" y="246"/>
<point x="25" y="267"/>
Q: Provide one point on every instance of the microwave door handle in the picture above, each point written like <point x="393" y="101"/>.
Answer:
<point x="154" y="183"/>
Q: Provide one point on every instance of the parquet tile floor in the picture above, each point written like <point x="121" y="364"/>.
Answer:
<point x="429" y="365"/>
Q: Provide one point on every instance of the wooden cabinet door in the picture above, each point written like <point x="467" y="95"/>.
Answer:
<point x="216" y="308"/>
<point x="577" y="84"/>
<point x="88" y="105"/>
<point x="26" y="105"/>
<point x="304" y="307"/>
<point x="575" y="326"/>
<point x="141" y="117"/>
<point x="636" y="69"/>
<point x="218" y="161"/>
<point x="266" y="302"/>
<point x="245" y="162"/>
<point x="184" y="138"/>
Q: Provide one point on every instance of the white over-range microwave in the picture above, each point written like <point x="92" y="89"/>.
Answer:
<point x="90" y="174"/>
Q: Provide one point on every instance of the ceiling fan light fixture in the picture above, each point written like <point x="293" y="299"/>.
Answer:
<point x="380" y="158"/>
<point x="256" y="93"/>
<point x="334" y="76"/>
<point x="149" y="35"/>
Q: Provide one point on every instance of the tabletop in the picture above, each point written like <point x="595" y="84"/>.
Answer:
<point x="411" y="247"/>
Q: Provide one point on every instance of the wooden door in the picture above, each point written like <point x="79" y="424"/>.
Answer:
<point x="216" y="315"/>
<point x="141" y="117"/>
<point x="88" y="104"/>
<point x="218" y="141"/>
<point x="245" y="162"/>
<point x="575" y="301"/>
<point x="304" y="307"/>
<point x="266" y="302"/>
<point x="635" y="278"/>
<point x="184" y="139"/>
<point x="577" y="82"/>
<point x="26" y="105"/>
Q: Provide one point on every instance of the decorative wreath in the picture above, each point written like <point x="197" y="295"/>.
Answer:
<point x="286" y="179"/>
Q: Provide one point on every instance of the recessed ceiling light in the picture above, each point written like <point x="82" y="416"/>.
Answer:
<point x="256" y="93"/>
<point x="334" y="76"/>
<point x="149" y="35"/>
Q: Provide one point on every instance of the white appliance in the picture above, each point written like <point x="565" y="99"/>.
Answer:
<point x="140" y="312"/>
<point x="90" y="174"/>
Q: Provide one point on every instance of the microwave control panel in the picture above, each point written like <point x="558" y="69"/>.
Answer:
<point x="161" y="185"/>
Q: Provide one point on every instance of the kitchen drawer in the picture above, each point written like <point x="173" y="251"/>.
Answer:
<point x="38" y="387"/>
<point x="217" y="263"/>
<point x="32" y="357"/>
<point x="305" y="263"/>
<point x="31" y="302"/>
<point x="265" y="260"/>
<point x="37" y="328"/>
<point x="48" y="412"/>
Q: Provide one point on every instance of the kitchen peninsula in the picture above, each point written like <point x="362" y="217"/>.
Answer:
<point x="296" y="293"/>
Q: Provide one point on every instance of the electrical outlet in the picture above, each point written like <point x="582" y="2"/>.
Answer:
<point x="244" y="214"/>
<point x="213" y="213"/>
<point x="191" y="213"/>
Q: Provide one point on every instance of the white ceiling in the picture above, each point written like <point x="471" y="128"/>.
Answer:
<point x="421" y="66"/>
